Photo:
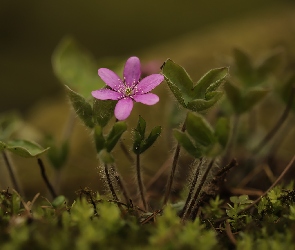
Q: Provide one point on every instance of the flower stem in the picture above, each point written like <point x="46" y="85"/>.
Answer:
<point x="44" y="176"/>
<point x="190" y="194"/>
<point x="139" y="181"/>
<point x="173" y="169"/>
<point x="11" y="172"/>
<point x="110" y="184"/>
<point x="192" y="206"/>
<point x="278" y="125"/>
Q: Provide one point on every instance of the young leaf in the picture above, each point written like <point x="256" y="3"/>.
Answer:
<point x="209" y="82"/>
<point x="234" y="95"/>
<point x="118" y="129"/>
<point x="23" y="148"/>
<point x="149" y="141"/>
<point x="199" y="129"/>
<point x="103" y="111"/>
<point x="76" y="68"/>
<point x="105" y="157"/>
<point x="222" y="130"/>
<point x="178" y="81"/>
<point x="81" y="107"/>
<point x="251" y="98"/>
<point x="187" y="144"/>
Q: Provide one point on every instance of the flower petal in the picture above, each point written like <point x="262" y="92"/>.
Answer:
<point x="123" y="108"/>
<point x="110" y="78"/>
<point x="148" y="99"/>
<point x="150" y="82"/>
<point x="106" y="94"/>
<point x="132" y="71"/>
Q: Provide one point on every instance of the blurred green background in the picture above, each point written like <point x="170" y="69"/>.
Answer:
<point x="199" y="35"/>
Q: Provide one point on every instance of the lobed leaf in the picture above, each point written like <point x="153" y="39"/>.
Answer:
<point x="209" y="82"/>
<point x="82" y="108"/>
<point x="178" y="81"/>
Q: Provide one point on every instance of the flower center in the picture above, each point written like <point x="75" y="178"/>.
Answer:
<point x="128" y="91"/>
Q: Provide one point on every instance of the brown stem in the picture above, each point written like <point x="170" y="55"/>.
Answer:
<point x="278" y="124"/>
<point x="139" y="181"/>
<point x="173" y="169"/>
<point x="191" y="191"/>
<point x="44" y="176"/>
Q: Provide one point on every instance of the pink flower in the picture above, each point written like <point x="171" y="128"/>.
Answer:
<point x="128" y="90"/>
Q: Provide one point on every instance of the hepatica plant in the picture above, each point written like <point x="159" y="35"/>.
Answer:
<point x="113" y="95"/>
<point x="96" y="99"/>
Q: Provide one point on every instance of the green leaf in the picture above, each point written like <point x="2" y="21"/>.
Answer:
<point x="222" y="130"/>
<point x="209" y="82"/>
<point x="149" y="141"/>
<point x="251" y="98"/>
<point x="234" y="96"/>
<point x="103" y="111"/>
<point x="199" y="105"/>
<point x="99" y="138"/>
<point x="105" y="157"/>
<point x="199" y="129"/>
<point x="118" y="129"/>
<point x="82" y="108"/>
<point x="76" y="68"/>
<point x="187" y="144"/>
<point x="178" y="81"/>
<point x="23" y="148"/>
<point x="244" y="68"/>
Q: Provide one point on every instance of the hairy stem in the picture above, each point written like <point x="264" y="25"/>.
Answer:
<point x="11" y="172"/>
<point x="44" y="176"/>
<point x="278" y="124"/>
<point x="122" y="187"/>
<point x="139" y="181"/>
<point x="199" y="188"/>
<point x="109" y="181"/>
<point x="173" y="169"/>
<point x="191" y="191"/>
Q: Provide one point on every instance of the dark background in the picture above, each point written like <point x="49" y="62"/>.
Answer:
<point x="30" y="30"/>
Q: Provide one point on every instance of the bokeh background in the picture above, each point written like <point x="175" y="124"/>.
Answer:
<point x="199" y="35"/>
